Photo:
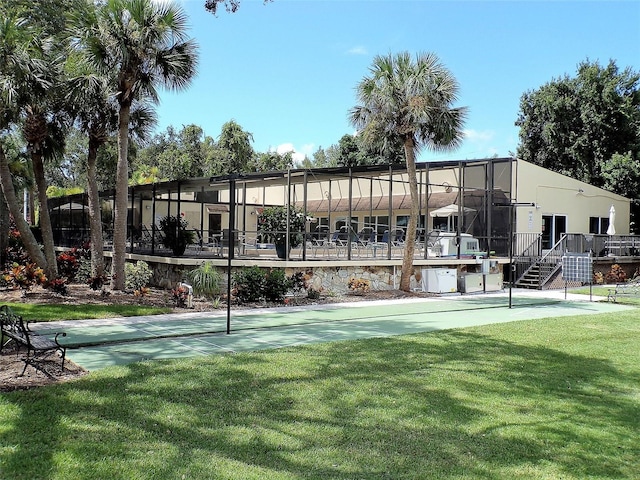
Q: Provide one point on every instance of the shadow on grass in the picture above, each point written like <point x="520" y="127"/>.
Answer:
<point x="441" y="405"/>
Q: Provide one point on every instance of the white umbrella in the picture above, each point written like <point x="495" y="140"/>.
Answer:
<point x="612" y="219"/>
<point x="449" y="210"/>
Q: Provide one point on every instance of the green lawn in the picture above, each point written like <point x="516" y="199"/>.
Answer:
<point x="542" y="399"/>
<point x="50" y="312"/>
<point x="604" y="291"/>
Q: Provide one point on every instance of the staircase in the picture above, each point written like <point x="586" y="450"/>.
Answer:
<point x="535" y="272"/>
<point x="538" y="274"/>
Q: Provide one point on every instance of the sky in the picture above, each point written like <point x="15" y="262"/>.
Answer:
<point x="287" y="71"/>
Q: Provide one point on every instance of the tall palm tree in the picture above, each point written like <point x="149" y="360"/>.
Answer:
<point x="19" y="68"/>
<point x="144" y="45"/>
<point x="96" y="116"/>
<point x="91" y="98"/>
<point x="411" y="102"/>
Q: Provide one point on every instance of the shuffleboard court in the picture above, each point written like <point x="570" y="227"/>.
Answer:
<point x="123" y="341"/>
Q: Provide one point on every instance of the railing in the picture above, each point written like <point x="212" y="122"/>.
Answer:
<point x="527" y="252"/>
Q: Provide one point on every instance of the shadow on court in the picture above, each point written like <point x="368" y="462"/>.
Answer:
<point x="94" y="345"/>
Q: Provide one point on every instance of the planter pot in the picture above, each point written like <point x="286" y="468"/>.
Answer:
<point x="281" y="250"/>
<point x="178" y="248"/>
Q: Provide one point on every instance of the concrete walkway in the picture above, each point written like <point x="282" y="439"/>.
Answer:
<point x="99" y="343"/>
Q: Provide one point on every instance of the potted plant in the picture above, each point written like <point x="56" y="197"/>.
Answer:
<point x="272" y="224"/>
<point x="176" y="236"/>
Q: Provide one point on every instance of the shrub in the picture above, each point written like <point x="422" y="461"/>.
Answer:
<point x="359" y="285"/>
<point x="15" y="251"/>
<point x="205" y="280"/>
<point x="59" y="285"/>
<point x="137" y="276"/>
<point x="248" y="284"/>
<point x="298" y="282"/>
<point x="25" y="276"/>
<point x="97" y="282"/>
<point x="276" y="285"/>
<point x="616" y="274"/>
<point x="176" y="234"/>
<point x="180" y="296"/>
<point x="68" y="264"/>
<point x="272" y="225"/>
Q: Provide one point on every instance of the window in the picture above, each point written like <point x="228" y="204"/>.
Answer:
<point x="598" y="225"/>
<point x="380" y="224"/>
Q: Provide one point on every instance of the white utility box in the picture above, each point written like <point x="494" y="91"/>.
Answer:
<point x="492" y="282"/>
<point x="439" y="280"/>
<point x="471" y="283"/>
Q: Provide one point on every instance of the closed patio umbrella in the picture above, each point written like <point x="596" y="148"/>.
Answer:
<point x="612" y="219"/>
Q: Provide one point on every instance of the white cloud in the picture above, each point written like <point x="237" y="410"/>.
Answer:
<point x="298" y="155"/>
<point x="358" y="50"/>
<point x="478" y="136"/>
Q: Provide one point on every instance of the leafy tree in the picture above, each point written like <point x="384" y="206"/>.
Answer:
<point x="177" y="154"/>
<point x="144" y="45"/>
<point x="269" y="161"/>
<point x="349" y="153"/>
<point x="576" y="125"/>
<point x="410" y="102"/>
<point x="621" y="174"/>
<point x="234" y="153"/>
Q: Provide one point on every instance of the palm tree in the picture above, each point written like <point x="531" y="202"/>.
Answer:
<point x="96" y="116"/>
<point x="19" y="68"/>
<point x="143" y="44"/>
<point x="411" y="102"/>
<point x="96" y="113"/>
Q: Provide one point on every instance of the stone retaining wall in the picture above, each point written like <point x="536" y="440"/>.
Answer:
<point x="322" y="279"/>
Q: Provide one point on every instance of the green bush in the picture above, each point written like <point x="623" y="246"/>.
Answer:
<point x="253" y="284"/>
<point x="205" y="280"/>
<point x="248" y="284"/>
<point x="276" y="285"/>
<point x="137" y="276"/>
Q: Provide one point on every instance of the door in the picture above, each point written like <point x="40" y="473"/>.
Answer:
<point x="215" y="225"/>
<point x="553" y="227"/>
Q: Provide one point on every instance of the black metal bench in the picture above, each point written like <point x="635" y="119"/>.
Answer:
<point x="630" y="288"/>
<point x="13" y="328"/>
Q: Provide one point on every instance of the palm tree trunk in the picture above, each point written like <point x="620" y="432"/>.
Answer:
<point x="28" y="239"/>
<point x="120" y="207"/>
<point x="45" y="218"/>
<point x="410" y="238"/>
<point x="95" y="217"/>
<point x="4" y="231"/>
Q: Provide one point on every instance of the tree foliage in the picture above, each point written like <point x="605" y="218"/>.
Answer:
<point x="576" y="125"/>
<point x="409" y="102"/>
<point x="230" y="6"/>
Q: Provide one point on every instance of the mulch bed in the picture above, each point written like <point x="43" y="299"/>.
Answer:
<point x="47" y="371"/>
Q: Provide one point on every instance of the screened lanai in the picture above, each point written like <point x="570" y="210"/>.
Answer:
<point x="350" y="213"/>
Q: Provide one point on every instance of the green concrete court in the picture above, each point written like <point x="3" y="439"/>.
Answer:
<point x="96" y="344"/>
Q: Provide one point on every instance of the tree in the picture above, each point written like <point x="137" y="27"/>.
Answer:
<point x="576" y="125"/>
<point x="270" y="161"/>
<point x="409" y="102"/>
<point x="230" y="6"/>
<point x="350" y="154"/>
<point x="234" y="150"/>
<point x="177" y="155"/>
<point x="19" y="67"/>
<point x="144" y="45"/>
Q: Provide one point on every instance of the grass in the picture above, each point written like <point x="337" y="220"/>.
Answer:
<point x="604" y="291"/>
<point x="543" y="399"/>
<point x="51" y="312"/>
